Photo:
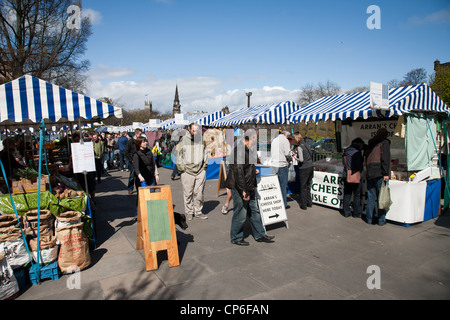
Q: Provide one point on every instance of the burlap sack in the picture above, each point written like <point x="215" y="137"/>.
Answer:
<point x="8" y="282"/>
<point x="31" y="220"/>
<point x="67" y="218"/>
<point x="74" y="251"/>
<point x="7" y="220"/>
<point x="47" y="242"/>
<point x="48" y="250"/>
<point x="12" y="245"/>
<point x="10" y="234"/>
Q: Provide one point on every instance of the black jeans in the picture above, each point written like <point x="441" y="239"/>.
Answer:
<point x="305" y="176"/>
<point x="355" y="189"/>
<point x="98" y="168"/>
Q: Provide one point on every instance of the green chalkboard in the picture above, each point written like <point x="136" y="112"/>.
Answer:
<point x="158" y="220"/>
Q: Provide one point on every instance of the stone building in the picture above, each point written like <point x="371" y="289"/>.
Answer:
<point x="176" y="103"/>
<point x="438" y="65"/>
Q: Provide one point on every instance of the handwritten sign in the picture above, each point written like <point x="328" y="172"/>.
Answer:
<point x="83" y="157"/>
<point x="270" y="200"/>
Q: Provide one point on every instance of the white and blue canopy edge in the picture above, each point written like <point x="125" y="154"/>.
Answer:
<point x="275" y="113"/>
<point x="28" y="100"/>
<point x="417" y="98"/>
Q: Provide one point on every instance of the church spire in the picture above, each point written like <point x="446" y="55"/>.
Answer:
<point x="176" y="103"/>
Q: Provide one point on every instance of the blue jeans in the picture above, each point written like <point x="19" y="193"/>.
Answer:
<point x="240" y="208"/>
<point x="373" y="191"/>
<point x="123" y="160"/>
<point x="283" y="176"/>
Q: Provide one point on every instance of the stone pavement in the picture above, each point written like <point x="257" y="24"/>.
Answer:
<point x="321" y="256"/>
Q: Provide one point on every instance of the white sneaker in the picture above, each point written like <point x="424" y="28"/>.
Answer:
<point x="201" y="216"/>
<point x="224" y="210"/>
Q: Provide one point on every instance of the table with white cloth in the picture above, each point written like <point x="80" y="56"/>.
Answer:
<point x="413" y="202"/>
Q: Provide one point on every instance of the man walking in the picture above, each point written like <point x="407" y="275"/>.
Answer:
<point x="99" y="149"/>
<point x="122" y="144"/>
<point x="129" y="152"/>
<point x="192" y="162"/>
<point x="280" y="153"/>
<point x="241" y="180"/>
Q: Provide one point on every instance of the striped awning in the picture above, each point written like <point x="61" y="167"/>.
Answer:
<point x="205" y="119"/>
<point x="357" y="105"/>
<point x="269" y="113"/>
<point x="29" y="100"/>
<point x="166" y="124"/>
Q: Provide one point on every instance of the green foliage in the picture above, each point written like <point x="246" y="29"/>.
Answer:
<point x="441" y="84"/>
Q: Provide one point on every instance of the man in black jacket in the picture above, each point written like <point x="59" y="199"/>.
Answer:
<point x="241" y="180"/>
<point x="129" y="152"/>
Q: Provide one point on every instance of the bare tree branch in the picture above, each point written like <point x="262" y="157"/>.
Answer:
<point x="35" y="39"/>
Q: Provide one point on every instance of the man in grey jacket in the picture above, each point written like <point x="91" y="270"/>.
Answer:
<point x="192" y="162"/>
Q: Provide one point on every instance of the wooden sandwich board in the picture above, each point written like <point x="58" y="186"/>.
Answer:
<point x="222" y="178"/>
<point x="156" y="226"/>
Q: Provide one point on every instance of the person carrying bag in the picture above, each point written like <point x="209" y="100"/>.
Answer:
<point x="378" y="168"/>
<point x="353" y="166"/>
<point x="384" y="199"/>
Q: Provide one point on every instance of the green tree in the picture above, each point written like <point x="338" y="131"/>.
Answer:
<point x="440" y="83"/>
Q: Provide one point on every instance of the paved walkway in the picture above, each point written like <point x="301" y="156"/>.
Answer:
<point x="321" y="256"/>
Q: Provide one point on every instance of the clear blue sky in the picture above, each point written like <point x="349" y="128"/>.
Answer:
<point x="217" y="50"/>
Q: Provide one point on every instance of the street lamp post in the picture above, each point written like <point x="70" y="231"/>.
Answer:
<point x="248" y="94"/>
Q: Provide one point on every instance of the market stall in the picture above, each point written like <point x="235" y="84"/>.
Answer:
<point x="414" y="120"/>
<point x="276" y="113"/>
<point x="48" y="217"/>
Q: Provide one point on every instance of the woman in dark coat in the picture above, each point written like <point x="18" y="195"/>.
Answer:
<point x="353" y="160"/>
<point x="144" y="164"/>
<point x="378" y="168"/>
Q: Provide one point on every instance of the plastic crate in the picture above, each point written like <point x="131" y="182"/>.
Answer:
<point x="23" y="278"/>
<point x="48" y="272"/>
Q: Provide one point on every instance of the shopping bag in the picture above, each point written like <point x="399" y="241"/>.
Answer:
<point x="352" y="177"/>
<point x="384" y="198"/>
<point x="291" y="174"/>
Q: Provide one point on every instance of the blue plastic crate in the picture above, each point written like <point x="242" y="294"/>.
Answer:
<point x="48" y="272"/>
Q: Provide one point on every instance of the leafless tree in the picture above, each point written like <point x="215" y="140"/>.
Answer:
<point x="358" y="89"/>
<point x="310" y="93"/>
<point x="36" y="39"/>
<point x="415" y="76"/>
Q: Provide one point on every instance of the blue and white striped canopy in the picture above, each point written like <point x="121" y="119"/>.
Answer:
<point x="205" y="119"/>
<point x="357" y="105"/>
<point x="269" y="113"/>
<point x="166" y="124"/>
<point x="29" y="100"/>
